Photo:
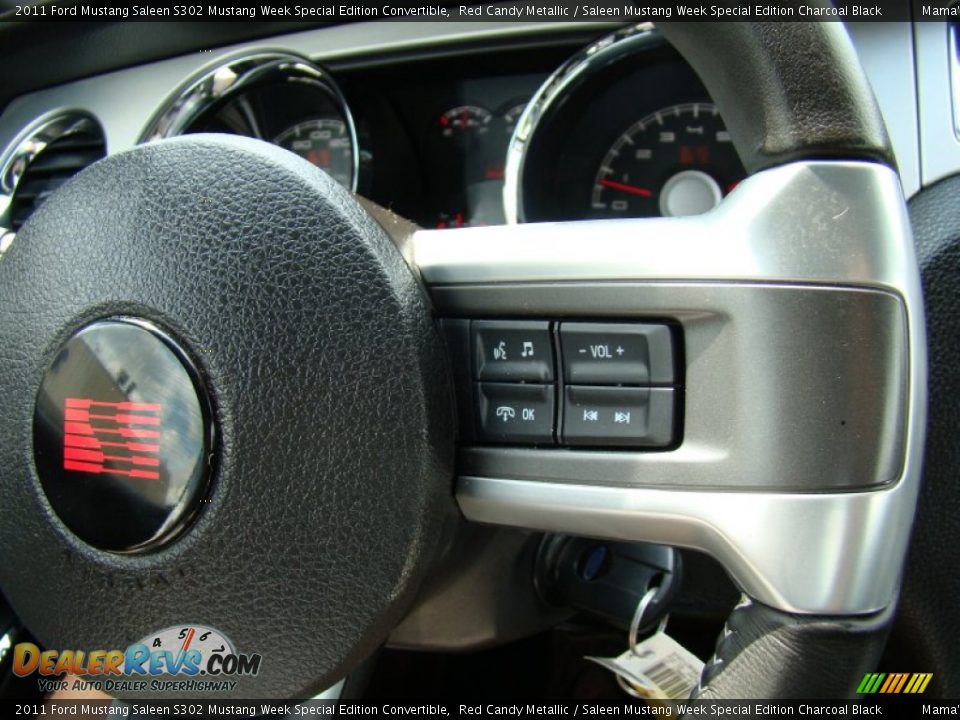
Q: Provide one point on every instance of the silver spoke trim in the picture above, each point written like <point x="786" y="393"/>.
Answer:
<point x="810" y="227"/>
<point x="813" y="222"/>
<point x="833" y="554"/>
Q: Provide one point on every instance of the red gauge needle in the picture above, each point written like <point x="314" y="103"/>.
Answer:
<point x="187" y="640"/>
<point x="632" y="189"/>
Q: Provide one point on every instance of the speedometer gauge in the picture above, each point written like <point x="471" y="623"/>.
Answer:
<point x="676" y="161"/>
<point x="326" y="143"/>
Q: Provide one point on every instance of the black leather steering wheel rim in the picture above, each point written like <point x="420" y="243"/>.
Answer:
<point x="788" y="91"/>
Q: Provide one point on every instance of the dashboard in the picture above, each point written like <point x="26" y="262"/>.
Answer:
<point x="472" y="137"/>
<point x="437" y="149"/>
<point x="450" y="124"/>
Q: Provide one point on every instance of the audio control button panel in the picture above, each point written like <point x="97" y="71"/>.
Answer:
<point x="567" y="383"/>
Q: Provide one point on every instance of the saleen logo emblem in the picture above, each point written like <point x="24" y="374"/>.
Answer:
<point x="112" y="438"/>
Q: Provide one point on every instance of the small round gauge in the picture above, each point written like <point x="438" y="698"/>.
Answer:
<point x="676" y="161"/>
<point x="465" y="121"/>
<point x="326" y="143"/>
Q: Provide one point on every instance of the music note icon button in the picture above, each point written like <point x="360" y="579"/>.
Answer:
<point x="512" y="351"/>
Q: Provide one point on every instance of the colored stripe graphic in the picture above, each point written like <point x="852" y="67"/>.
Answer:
<point x="894" y="683"/>
<point x="86" y="403"/>
<point x="96" y="433"/>
<point x="891" y="679"/>
<point x="87" y="416"/>
<point x="92" y="442"/>
<point x="72" y="453"/>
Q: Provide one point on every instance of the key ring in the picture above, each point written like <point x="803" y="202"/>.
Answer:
<point x="637" y="620"/>
<point x="635" y="624"/>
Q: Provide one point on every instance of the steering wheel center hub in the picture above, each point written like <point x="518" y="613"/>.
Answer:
<point x="326" y="381"/>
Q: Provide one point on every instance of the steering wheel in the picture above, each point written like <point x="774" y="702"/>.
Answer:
<point x="303" y="475"/>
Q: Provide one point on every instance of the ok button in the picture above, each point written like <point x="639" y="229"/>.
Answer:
<point x="514" y="412"/>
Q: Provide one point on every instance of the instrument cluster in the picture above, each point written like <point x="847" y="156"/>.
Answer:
<point x="619" y="128"/>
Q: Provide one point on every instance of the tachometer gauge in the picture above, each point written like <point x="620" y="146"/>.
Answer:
<point x="278" y="97"/>
<point x="676" y="161"/>
<point x="326" y="143"/>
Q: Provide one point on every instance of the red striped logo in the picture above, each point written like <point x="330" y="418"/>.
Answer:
<point x="112" y="438"/>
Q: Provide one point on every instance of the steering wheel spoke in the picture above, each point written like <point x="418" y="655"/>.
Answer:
<point x="801" y="395"/>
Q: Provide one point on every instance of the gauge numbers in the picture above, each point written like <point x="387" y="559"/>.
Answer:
<point x="676" y="161"/>
<point x="465" y="121"/>
<point x="512" y="116"/>
<point x="326" y="143"/>
<point x="181" y="638"/>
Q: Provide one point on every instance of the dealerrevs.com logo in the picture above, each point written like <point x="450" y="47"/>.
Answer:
<point x="182" y="658"/>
